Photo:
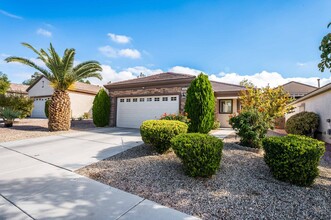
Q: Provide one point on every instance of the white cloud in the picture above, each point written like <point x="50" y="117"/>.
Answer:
<point x="109" y="51"/>
<point x="121" y="39"/>
<point x="44" y="32"/>
<point x="185" y="70"/>
<point x="130" y="53"/>
<point x="265" y="78"/>
<point x="10" y="15"/>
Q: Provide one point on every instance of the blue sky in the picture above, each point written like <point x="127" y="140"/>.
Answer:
<point x="264" y="41"/>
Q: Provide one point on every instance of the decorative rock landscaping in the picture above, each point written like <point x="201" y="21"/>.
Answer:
<point x="243" y="188"/>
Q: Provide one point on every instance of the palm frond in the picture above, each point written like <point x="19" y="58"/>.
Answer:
<point x="40" y="55"/>
<point x="68" y="59"/>
<point x="28" y="63"/>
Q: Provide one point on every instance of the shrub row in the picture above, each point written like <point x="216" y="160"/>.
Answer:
<point x="158" y="133"/>
<point x="200" y="153"/>
<point x="292" y="158"/>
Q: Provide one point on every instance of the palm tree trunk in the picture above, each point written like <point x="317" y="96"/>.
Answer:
<point x="59" y="111"/>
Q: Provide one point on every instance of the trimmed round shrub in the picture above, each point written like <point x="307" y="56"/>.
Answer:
<point x="101" y="109"/>
<point x="158" y="133"/>
<point x="303" y="123"/>
<point x="47" y="103"/>
<point x="293" y="158"/>
<point x="200" y="153"/>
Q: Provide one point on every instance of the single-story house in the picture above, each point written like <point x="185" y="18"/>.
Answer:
<point x="17" y="89"/>
<point x="297" y="89"/>
<point x="318" y="101"/>
<point x="81" y="97"/>
<point x="136" y="100"/>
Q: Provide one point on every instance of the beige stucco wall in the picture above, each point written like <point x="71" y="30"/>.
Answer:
<point x="80" y="103"/>
<point x="321" y="105"/>
<point x="224" y="118"/>
<point x="41" y="89"/>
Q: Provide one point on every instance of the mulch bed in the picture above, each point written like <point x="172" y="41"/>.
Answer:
<point x="242" y="189"/>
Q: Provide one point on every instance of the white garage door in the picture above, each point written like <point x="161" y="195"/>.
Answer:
<point x="132" y="111"/>
<point x="39" y="108"/>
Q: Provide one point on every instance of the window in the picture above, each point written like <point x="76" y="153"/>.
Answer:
<point x="121" y="100"/>
<point x="165" y="99"/>
<point x="43" y="83"/>
<point x="226" y="106"/>
<point x="174" y="98"/>
<point x="128" y="100"/>
<point x="134" y="100"/>
<point x="141" y="99"/>
<point x="157" y="99"/>
<point x="149" y="99"/>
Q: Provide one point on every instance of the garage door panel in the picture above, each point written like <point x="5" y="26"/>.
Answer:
<point x="38" y="110"/>
<point x="132" y="114"/>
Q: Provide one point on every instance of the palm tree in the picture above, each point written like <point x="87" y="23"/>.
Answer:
<point x="62" y="74"/>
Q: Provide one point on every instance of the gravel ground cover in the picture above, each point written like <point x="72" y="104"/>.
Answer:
<point x="242" y="189"/>
<point x="31" y="128"/>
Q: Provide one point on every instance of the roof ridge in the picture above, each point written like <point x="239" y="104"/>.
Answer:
<point x="134" y="79"/>
<point x="292" y="81"/>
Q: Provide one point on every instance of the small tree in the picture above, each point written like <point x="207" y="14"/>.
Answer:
<point x="251" y="127"/>
<point x="101" y="109"/>
<point x="325" y="48"/>
<point x="4" y="83"/>
<point x="272" y="102"/>
<point x="200" y="105"/>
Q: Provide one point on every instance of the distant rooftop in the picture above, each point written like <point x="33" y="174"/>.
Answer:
<point x="18" y="88"/>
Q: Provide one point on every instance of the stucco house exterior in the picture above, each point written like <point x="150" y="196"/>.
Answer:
<point x="136" y="100"/>
<point x="318" y="101"/>
<point x="81" y="97"/>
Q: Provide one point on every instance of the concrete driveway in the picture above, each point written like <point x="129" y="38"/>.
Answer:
<point x="37" y="182"/>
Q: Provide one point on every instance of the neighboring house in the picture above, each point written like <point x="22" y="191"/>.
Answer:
<point x="318" y="101"/>
<point x="81" y="97"/>
<point x="298" y="90"/>
<point x="136" y="100"/>
<point x="17" y="89"/>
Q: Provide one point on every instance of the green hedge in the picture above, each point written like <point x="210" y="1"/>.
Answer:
<point x="303" y="123"/>
<point x="158" y="133"/>
<point x="200" y="153"/>
<point x="293" y="158"/>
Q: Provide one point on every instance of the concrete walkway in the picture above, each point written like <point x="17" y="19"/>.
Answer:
<point x="37" y="182"/>
<point x="222" y="132"/>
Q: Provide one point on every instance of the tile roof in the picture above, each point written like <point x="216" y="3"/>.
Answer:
<point x="77" y="87"/>
<point x="18" y="88"/>
<point x="155" y="78"/>
<point x="221" y="87"/>
<point x="84" y="87"/>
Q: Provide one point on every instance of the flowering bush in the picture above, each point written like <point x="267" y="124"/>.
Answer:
<point x="177" y="117"/>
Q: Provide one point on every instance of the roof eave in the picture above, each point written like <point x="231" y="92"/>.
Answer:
<point x="150" y="83"/>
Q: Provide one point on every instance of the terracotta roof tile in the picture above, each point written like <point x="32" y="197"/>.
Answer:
<point x="18" y="88"/>
<point x="84" y="87"/>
